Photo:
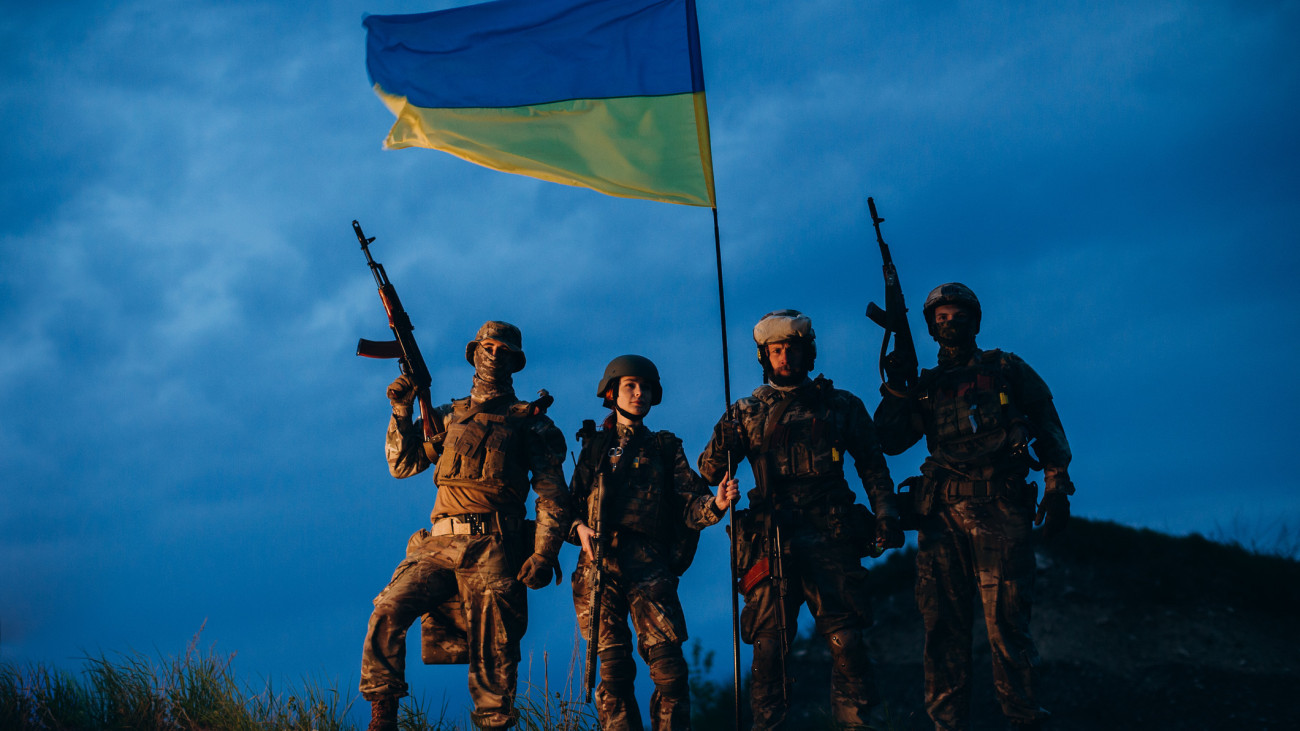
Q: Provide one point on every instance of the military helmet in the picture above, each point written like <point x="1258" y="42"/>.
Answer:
<point x="502" y="332"/>
<point x="952" y="293"/>
<point x="636" y="366"/>
<point x="781" y="326"/>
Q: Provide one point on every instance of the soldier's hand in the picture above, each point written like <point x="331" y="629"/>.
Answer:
<point x="889" y="533"/>
<point x="728" y="436"/>
<point x="538" y="570"/>
<point x="402" y="393"/>
<point x="1053" y="514"/>
<point x="585" y="536"/>
<point x="896" y="374"/>
<point x="728" y="492"/>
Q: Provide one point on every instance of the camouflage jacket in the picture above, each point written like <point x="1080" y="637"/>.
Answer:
<point x="805" y="454"/>
<point x="977" y="419"/>
<point x="653" y="492"/>
<point x="484" y="463"/>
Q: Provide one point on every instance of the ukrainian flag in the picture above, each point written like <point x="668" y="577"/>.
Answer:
<point x="604" y="94"/>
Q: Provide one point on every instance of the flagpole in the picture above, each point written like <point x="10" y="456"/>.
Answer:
<point x="731" y="509"/>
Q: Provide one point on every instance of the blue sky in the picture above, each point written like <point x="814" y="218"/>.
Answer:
<point x="186" y="436"/>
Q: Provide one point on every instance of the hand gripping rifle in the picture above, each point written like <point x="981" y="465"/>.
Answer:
<point x="596" y="518"/>
<point x="900" y="365"/>
<point x="403" y="346"/>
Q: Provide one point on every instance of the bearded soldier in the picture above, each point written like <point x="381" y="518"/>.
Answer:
<point x="636" y="486"/>
<point x="467" y="572"/>
<point x="803" y="536"/>
<point x="978" y="410"/>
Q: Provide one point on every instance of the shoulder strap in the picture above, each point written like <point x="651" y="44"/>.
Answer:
<point x="489" y="406"/>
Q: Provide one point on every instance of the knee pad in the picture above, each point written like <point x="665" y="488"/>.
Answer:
<point x="617" y="666"/>
<point x="667" y="665"/>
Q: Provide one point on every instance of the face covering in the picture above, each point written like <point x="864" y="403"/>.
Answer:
<point x="493" y="375"/>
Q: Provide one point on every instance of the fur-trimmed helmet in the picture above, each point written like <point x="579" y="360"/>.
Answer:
<point x="781" y="326"/>
<point x="952" y="293"/>
<point x="635" y="366"/>
<point x="504" y="333"/>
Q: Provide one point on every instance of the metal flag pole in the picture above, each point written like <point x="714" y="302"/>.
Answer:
<point x="731" y="509"/>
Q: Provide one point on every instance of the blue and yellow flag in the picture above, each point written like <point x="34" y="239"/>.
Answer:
<point x="605" y="94"/>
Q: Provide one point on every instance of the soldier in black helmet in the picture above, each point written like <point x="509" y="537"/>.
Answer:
<point x="651" y="509"/>
<point x="978" y="410"/>
<point x="466" y="573"/>
<point x="796" y="431"/>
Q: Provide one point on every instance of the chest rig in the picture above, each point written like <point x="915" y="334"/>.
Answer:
<point x="480" y="443"/>
<point x="969" y="415"/>
<point x="640" y="493"/>
<point x="807" y="440"/>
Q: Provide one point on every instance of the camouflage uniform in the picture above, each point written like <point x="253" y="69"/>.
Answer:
<point x="462" y="574"/>
<point x="649" y="501"/>
<point x="974" y="512"/>
<point x="824" y="534"/>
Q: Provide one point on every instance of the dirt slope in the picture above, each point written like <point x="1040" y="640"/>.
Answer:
<point x="1136" y="630"/>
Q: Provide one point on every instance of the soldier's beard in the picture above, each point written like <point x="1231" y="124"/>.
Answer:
<point x="780" y="381"/>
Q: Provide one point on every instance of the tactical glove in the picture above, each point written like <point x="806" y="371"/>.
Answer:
<point x="1053" y="513"/>
<point x="402" y="394"/>
<point x="889" y="532"/>
<point x="538" y="569"/>
<point x="728" y="437"/>
<point x="897" y="376"/>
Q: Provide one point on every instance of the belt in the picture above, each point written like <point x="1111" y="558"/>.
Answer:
<point x="469" y="524"/>
<point x="960" y="489"/>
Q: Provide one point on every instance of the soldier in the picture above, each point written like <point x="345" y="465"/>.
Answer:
<point x="795" y="432"/>
<point x="651" y="509"/>
<point x="978" y="410"/>
<point x="469" y="569"/>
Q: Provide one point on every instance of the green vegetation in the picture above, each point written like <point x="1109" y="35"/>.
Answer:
<point x="198" y="690"/>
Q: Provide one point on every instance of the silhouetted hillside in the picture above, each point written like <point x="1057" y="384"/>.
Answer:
<point x="1136" y="630"/>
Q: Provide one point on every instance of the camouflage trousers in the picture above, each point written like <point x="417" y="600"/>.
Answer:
<point x="977" y="548"/>
<point x="496" y="613"/>
<point x="827" y="573"/>
<point x="638" y="583"/>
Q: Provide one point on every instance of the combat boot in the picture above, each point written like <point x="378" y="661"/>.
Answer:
<point x="383" y="713"/>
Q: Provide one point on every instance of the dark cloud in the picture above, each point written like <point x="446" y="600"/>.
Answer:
<point x="189" y="438"/>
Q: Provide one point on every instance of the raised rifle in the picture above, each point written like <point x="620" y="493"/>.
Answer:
<point x="402" y="346"/>
<point x="901" y="364"/>
<point x="598" y="558"/>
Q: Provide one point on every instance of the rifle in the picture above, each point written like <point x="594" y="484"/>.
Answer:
<point x="598" y="557"/>
<point x="776" y="568"/>
<point x="893" y="318"/>
<point x="402" y="347"/>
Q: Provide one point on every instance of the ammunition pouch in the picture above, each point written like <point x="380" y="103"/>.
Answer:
<point x="749" y="542"/>
<point x="916" y="502"/>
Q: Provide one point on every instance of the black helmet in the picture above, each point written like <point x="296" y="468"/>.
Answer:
<point x="634" y="366"/>
<point x="952" y="293"/>
<point x="786" y="326"/>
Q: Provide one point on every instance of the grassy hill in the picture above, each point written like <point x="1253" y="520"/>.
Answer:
<point x="1136" y="629"/>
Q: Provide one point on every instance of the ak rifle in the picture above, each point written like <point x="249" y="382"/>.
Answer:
<point x="596" y="520"/>
<point x="402" y="346"/>
<point x="899" y="367"/>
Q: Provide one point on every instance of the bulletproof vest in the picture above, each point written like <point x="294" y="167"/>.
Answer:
<point x="969" y="416"/>
<point x="636" y="496"/>
<point x="482" y="449"/>
<point x="643" y="497"/>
